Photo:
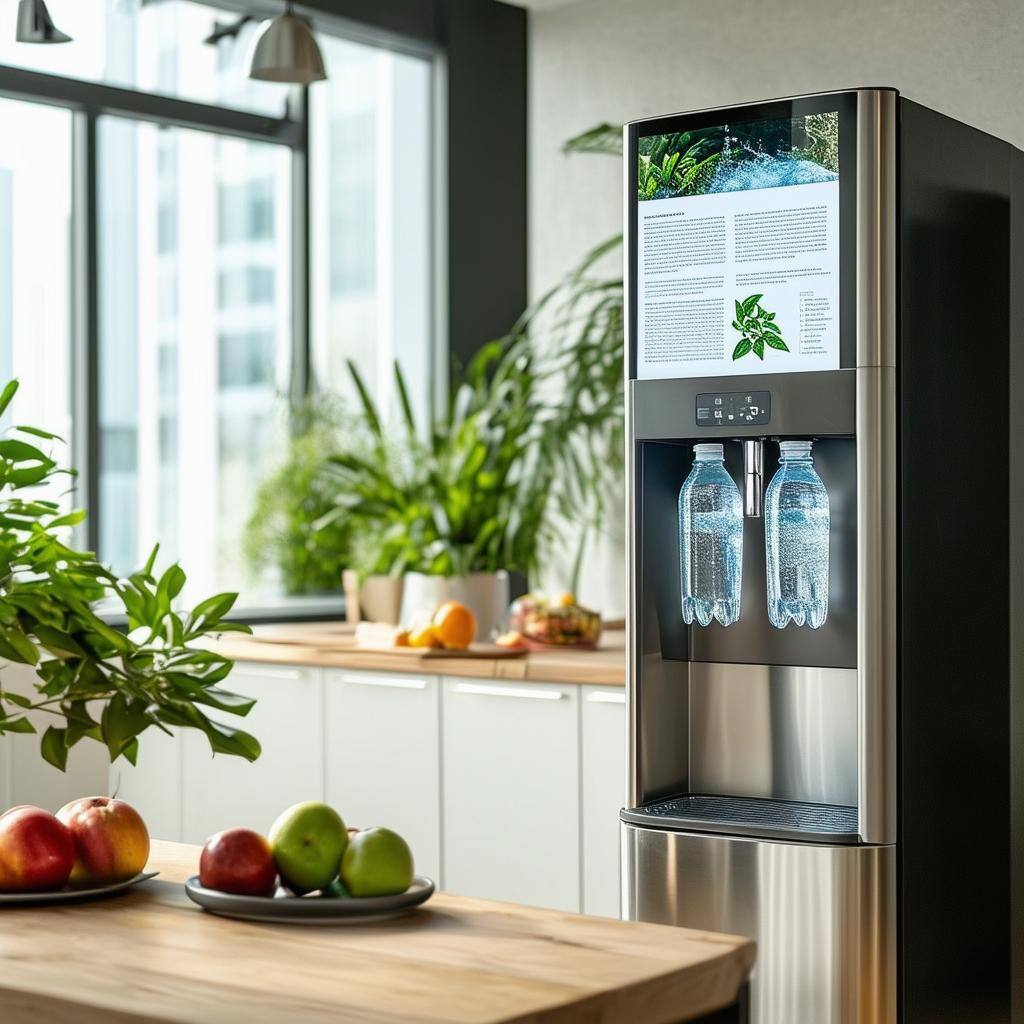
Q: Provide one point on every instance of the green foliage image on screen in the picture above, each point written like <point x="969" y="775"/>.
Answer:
<point x="739" y="157"/>
<point x="757" y="327"/>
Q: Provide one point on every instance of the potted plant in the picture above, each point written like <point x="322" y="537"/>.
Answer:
<point x="451" y="509"/>
<point x="94" y="681"/>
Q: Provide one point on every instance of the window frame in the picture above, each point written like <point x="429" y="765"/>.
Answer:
<point x="88" y="101"/>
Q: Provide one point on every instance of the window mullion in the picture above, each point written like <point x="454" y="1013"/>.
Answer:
<point x="300" y="256"/>
<point x="85" y="441"/>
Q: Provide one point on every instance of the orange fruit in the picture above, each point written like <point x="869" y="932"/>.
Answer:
<point x="425" y="636"/>
<point x="402" y="638"/>
<point x="455" y="625"/>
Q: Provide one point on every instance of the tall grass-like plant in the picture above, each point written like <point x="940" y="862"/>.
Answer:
<point x="94" y="681"/>
<point x="531" y="440"/>
<point x="466" y="494"/>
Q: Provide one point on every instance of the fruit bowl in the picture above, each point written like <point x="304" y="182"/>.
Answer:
<point x="544" y="624"/>
<point x="68" y="895"/>
<point x="284" y="908"/>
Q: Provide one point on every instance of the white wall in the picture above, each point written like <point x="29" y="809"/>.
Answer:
<point x="616" y="60"/>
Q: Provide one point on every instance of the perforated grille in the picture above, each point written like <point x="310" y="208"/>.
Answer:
<point x="749" y="815"/>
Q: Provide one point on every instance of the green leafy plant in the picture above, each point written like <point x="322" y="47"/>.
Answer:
<point x="757" y="328"/>
<point x="97" y="682"/>
<point x="532" y="442"/>
<point x="532" y="439"/>
<point x="573" y="337"/>
<point x="282" y="533"/>
<point x="467" y="495"/>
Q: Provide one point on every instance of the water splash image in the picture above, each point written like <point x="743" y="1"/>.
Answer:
<point x="765" y="171"/>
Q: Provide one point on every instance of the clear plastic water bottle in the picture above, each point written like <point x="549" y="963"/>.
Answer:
<point x="796" y="525"/>
<point x="710" y="540"/>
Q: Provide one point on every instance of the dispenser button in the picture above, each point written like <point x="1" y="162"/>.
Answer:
<point x="715" y="410"/>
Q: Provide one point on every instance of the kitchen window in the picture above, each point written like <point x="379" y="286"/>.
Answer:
<point x="35" y="259"/>
<point x="371" y="241"/>
<point x="184" y="271"/>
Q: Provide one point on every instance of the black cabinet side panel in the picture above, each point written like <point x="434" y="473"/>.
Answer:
<point x="954" y="523"/>
<point x="1017" y="583"/>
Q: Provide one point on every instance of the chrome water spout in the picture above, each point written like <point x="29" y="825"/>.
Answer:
<point x="753" y="478"/>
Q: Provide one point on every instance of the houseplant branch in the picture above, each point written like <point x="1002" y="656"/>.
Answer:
<point x="105" y="685"/>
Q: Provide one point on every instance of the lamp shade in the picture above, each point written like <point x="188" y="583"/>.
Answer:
<point x="287" y="51"/>
<point x="35" y="24"/>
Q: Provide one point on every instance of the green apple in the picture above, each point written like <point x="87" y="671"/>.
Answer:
<point x="378" y="862"/>
<point x="308" y="841"/>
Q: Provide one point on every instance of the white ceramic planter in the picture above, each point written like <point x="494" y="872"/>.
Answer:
<point x="486" y="594"/>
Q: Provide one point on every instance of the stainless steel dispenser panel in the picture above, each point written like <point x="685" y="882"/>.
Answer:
<point x="823" y="917"/>
<point x="876" y="462"/>
<point x="774" y="731"/>
<point x="876" y="607"/>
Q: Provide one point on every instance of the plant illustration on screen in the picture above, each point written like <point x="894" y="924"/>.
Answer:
<point x="757" y="327"/>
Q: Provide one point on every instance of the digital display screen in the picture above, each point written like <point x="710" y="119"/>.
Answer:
<point x="738" y="249"/>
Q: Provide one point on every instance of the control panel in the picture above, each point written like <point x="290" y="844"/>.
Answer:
<point x="720" y="409"/>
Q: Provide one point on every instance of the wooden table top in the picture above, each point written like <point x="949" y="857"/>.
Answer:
<point x="152" y="955"/>
<point x="332" y="645"/>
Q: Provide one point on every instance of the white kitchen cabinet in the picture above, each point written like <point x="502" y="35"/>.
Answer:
<point x="603" y="738"/>
<point x="383" y="758"/>
<point x="153" y="785"/>
<point x="511" y="789"/>
<point x="224" y="791"/>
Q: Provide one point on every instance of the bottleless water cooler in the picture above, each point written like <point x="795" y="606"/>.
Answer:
<point x="840" y="793"/>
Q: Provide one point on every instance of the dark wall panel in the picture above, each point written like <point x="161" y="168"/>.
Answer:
<point x="486" y="46"/>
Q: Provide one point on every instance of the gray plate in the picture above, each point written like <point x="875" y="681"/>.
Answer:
<point x="286" y="909"/>
<point x="72" y="895"/>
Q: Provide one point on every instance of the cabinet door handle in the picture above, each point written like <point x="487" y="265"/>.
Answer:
<point x="254" y="668"/>
<point x="508" y="691"/>
<point x="395" y="684"/>
<point x="606" y="698"/>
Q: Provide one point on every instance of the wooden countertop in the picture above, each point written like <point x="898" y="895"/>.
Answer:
<point x="332" y="645"/>
<point x="151" y="955"/>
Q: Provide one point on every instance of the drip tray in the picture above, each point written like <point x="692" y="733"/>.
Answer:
<point x="749" y="816"/>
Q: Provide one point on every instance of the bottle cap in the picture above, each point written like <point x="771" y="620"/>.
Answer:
<point x="795" y="446"/>
<point x="716" y="450"/>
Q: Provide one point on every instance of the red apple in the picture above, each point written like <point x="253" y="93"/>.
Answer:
<point x="36" y="851"/>
<point x="111" y="840"/>
<point x="239" y="861"/>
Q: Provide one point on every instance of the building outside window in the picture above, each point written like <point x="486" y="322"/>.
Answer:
<point x="35" y="261"/>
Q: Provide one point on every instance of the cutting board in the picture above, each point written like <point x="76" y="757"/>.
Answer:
<point x="489" y="651"/>
<point x="375" y="638"/>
